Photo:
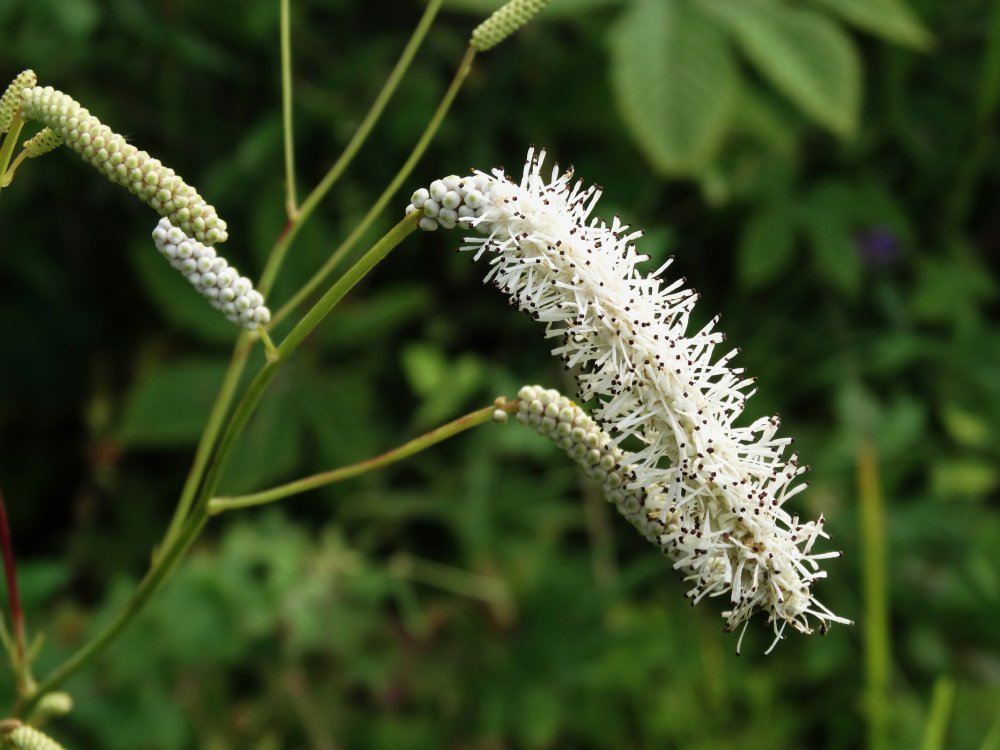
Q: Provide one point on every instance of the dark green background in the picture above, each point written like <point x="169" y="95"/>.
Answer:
<point x="482" y="595"/>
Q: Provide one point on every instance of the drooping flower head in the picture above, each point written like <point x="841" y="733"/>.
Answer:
<point x="121" y="162"/>
<point x="711" y="494"/>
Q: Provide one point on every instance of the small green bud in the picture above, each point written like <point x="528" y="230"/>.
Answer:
<point x="54" y="704"/>
<point x="11" y="99"/>
<point x="29" y="738"/>
<point x="44" y="141"/>
<point x="504" y="22"/>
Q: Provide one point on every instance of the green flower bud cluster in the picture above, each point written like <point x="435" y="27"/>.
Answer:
<point x="44" y="141"/>
<point x="212" y="276"/>
<point x="449" y="200"/>
<point x="25" y="737"/>
<point x="556" y="417"/>
<point x="504" y="22"/>
<point x="11" y="99"/>
<point x="158" y="186"/>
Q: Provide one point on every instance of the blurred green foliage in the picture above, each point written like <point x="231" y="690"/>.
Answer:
<point x="824" y="170"/>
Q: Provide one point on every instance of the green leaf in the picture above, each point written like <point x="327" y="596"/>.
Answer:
<point x="169" y="406"/>
<point x="890" y="19"/>
<point x="676" y="83"/>
<point x="767" y="246"/>
<point x="808" y="57"/>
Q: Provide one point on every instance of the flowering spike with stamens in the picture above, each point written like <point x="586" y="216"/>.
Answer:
<point x="44" y="141"/>
<point x="719" y="488"/>
<point x="11" y="99"/>
<point x="210" y="274"/>
<point x="121" y="162"/>
<point x="505" y="21"/>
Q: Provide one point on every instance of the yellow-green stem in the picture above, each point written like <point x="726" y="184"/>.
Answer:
<point x="231" y="380"/>
<point x="354" y="145"/>
<point x="418" y="151"/>
<point x="176" y="544"/>
<point x="7" y="148"/>
<point x="937" y="718"/>
<point x="221" y="504"/>
<point x="876" y="597"/>
<point x="291" y="202"/>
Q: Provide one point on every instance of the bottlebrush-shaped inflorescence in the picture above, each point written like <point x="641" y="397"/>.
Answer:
<point x="711" y="494"/>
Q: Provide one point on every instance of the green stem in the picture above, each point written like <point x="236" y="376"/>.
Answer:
<point x="6" y="179"/>
<point x="291" y="202"/>
<point x="7" y="149"/>
<point x="876" y="596"/>
<point x="175" y="545"/>
<point x="223" y="400"/>
<point x="158" y="573"/>
<point x="221" y="504"/>
<point x="937" y="718"/>
<point x="357" y="140"/>
<point x="418" y="151"/>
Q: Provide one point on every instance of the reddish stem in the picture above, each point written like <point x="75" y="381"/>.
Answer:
<point x="10" y="572"/>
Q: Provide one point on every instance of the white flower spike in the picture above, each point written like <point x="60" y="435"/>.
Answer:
<point x="709" y="493"/>
<point x="210" y="274"/>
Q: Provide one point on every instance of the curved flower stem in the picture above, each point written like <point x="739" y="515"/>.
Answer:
<point x="7" y="149"/>
<point x="291" y="202"/>
<point x="178" y="542"/>
<point x="353" y="146"/>
<point x="418" y="150"/>
<point x="6" y="179"/>
<point x="224" y="399"/>
<point x="158" y="573"/>
<point x="221" y="504"/>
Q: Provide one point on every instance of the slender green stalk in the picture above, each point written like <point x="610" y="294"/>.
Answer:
<point x="418" y="151"/>
<point x="992" y="739"/>
<point x="158" y="573"/>
<point x="876" y="597"/>
<point x="291" y="202"/>
<point x="221" y="504"/>
<point x="6" y="179"/>
<point x="7" y="149"/>
<point x="937" y="719"/>
<point x="352" y="148"/>
<point x="176" y="545"/>
<point x="241" y="351"/>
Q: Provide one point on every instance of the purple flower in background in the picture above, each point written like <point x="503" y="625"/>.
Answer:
<point x="877" y="246"/>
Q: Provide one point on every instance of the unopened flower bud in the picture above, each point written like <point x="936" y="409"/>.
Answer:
<point x="212" y="276"/>
<point x="11" y="99"/>
<point x="156" y="185"/>
<point x="505" y="21"/>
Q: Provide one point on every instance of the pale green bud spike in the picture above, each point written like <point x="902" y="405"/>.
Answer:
<point x="11" y="98"/>
<point x="54" y="704"/>
<point x="29" y="738"/>
<point x="123" y="163"/>
<point x="44" y="141"/>
<point x="504" y="22"/>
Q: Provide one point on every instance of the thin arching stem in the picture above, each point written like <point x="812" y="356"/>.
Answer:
<point x="291" y="202"/>
<point x="174" y="547"/>
<point x="354" y="145"/>
<point x="221" y="504"/>
<point x="418" y="150"/>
